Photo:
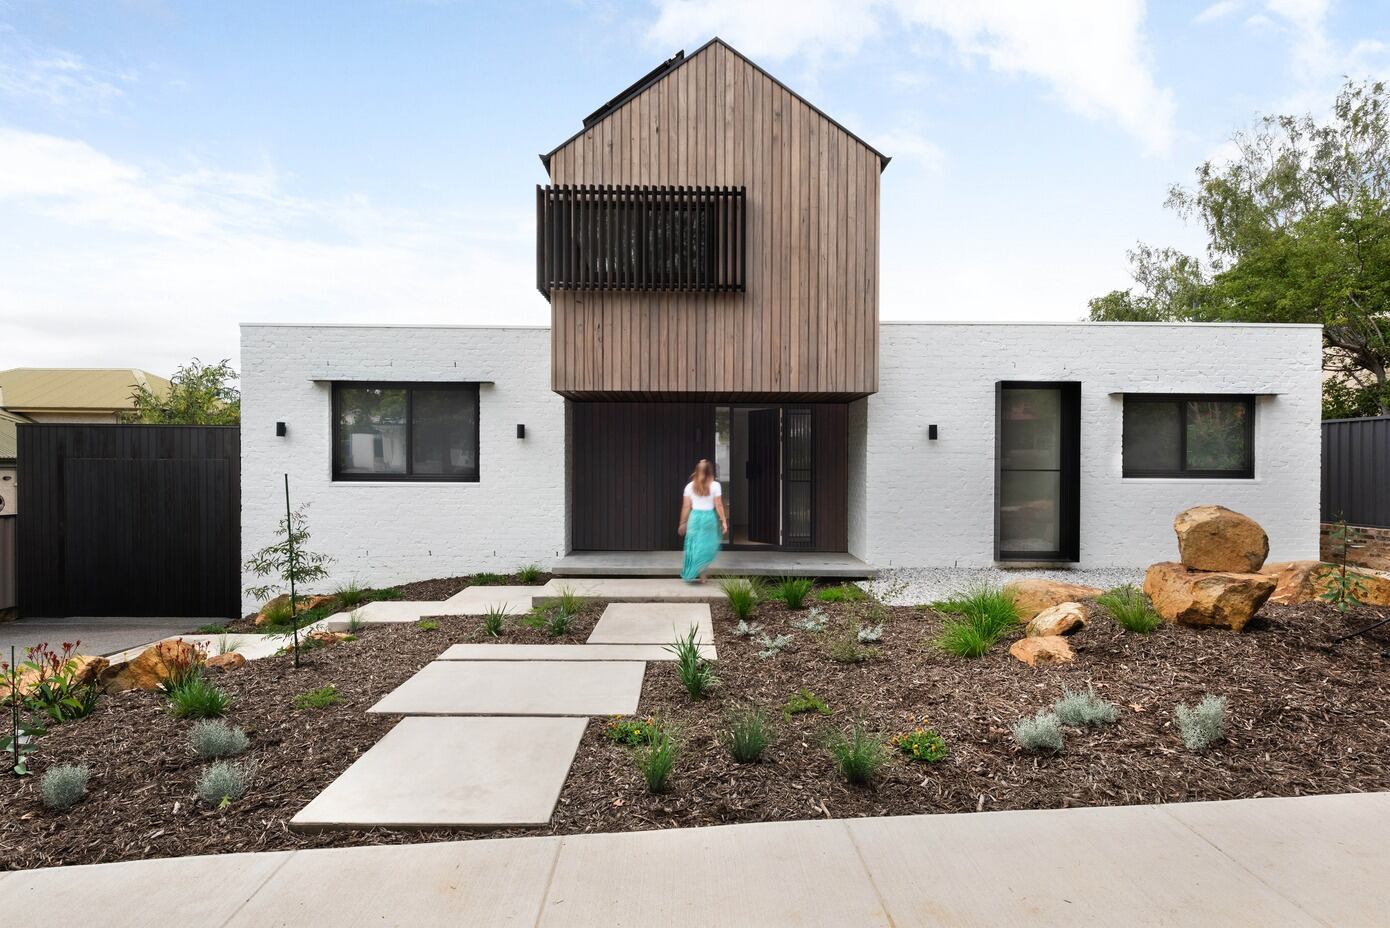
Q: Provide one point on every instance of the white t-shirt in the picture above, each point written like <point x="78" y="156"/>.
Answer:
<point x="703" y="502"/>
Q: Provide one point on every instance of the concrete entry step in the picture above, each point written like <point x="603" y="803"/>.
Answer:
<point x="565" y="652"/>
<point x="652" y="623"/>
<point x="540" y="688"/>
<point x="452" y="772"/>
<point x="728" y="564"/>
<point x="639" y="589"/>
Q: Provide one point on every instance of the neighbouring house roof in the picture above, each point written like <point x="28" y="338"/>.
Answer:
<point x="673" y="64"/>
<point x="8" y="442"/>
<point x="70" y="389"/>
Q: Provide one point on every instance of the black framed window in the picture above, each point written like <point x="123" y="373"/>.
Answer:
<point x="1189" y="435"/>
<point x="1037" y="471"/>
<point x="405" y="431"/>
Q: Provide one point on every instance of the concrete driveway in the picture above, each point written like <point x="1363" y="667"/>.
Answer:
<point x="98" y="634"/>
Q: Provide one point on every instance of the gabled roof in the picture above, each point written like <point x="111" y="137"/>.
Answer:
<point x="669" y="67"/>
<point x="67" y="388"/>
<point x="9" y="445"/>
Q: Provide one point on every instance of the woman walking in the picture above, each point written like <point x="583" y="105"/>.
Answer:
<point x="702" y="532"/>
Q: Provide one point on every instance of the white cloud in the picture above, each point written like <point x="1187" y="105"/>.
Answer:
<point x="53" y="76"/>
<point x="911" y="146"/>
<point x="1218" y="10"/>
<point x="1091" y="54"/>
<point x="1319" y="62"/>
<point x="105" y="262"/>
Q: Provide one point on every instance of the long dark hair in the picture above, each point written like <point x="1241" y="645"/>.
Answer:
<point x="701" y="477"/>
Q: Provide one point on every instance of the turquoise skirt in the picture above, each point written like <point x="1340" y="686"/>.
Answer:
<point x="702" y="538"/>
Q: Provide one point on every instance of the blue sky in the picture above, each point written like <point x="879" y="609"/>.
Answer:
<point x="170" y="169"/>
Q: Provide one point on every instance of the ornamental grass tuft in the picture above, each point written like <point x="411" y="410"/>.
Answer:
<point x="792" y="591"/>
<point x="747" y="735"/>
<point x="978" y="620"/>
<point x="743" y="594"/>
<point x="695" y="672"/>
<point x="196" y="697"/>
<point x="860" y="755"/>
<point x="657" y="759"/>
<point x="1131" y="608"/>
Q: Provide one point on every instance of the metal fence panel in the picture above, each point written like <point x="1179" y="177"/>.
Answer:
<point x="1356" y="471"/>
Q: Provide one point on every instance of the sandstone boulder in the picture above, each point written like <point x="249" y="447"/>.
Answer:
<point x="302" y="604"/>
<point x="1034" y="595"/>
<point x="1306" y="581"/>
<point x="158" y="664"/>
<point x="1048" y="649"/>
<point x="1215" y="538"/>
<point x="89" y="668"/>
<point x="228" y="661"/>
<point x="1061" y="619"/>
<point x="1194" y="597"/>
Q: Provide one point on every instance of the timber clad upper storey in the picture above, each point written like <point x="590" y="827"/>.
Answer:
<point x="711" y="234"/>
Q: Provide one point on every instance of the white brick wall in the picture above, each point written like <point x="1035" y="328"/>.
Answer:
<point x="931" y="503"/>
<point x="382" y="533"/>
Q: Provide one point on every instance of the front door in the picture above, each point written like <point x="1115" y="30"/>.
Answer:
<point x="761" y="471"/>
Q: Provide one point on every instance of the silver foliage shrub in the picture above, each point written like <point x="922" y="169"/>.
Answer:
<point x="1203" y="725"/>
<point x="1042" y="732"/>
<point x="223" y="783"/>
<point x="212" y="738"/>
<point x="747" y="629"/>
<point x="869" y="634"/>
<point x="63" y="787"/>
<point x="1085" y="709"/>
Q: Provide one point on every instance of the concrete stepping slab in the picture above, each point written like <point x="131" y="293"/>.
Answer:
<point x="438" y="772"/>
<point x="620" y="589"/>
<point x="565" y="652"/>
<point x="385" y="611"/>
<point x="250" y="646"/>
<point x="512" y="605"/>
<point x="518" y="688"/>
<point x="652" y="623"/>
<point x="456" y="884"/>
<point x="473" y="594"/>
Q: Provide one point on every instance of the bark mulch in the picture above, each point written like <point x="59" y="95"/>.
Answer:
<point x="1305" y="717"/>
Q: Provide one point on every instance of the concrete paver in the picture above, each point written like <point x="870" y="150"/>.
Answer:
<point x="518" y="688"/>
<point x="99" y="635"/>
<point x="565" y="652"/>
<point x="652" y="623"/>
<point x="632" y="590"/>
<point x="782" y="873"/>
<point x="475" y="594"/>
<point x="384" y="611"/>
<point x="434" y="772"/>
<point x="515" y="605"/>
<point x="140" y="893"/>
<point x="1060" y="868"/>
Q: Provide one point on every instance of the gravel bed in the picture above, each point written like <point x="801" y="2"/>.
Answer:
<point x="916" y="586"/>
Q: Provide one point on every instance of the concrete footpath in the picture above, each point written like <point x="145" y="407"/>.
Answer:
<point x="1269" y="862"/>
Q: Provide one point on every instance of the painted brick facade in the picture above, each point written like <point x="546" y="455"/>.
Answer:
<point x="931" y="503"/>
<point x="381" y="533"/>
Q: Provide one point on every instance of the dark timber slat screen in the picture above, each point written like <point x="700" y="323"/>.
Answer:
<point x="123" y="520"/>
<point x="640" y="238"/>
<point x="1355" y="471"/>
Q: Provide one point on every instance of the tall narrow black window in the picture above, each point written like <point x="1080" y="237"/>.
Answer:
<point x="1037" y="471"/>
<point x="797" y="476"/>
<point x="405" y="431"/>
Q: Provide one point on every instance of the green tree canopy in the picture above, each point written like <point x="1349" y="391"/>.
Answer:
<point x="201" y="394"/>
<point x="1298" y="228"/>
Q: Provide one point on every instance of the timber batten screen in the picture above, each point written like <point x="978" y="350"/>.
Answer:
<point x="592" y="237"/>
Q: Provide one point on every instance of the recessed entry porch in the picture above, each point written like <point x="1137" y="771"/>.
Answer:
<point x="764" y="563"/>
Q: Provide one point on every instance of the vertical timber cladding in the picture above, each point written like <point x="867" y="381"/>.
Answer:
<point x="129" y="520"/>
<point x="807" y="324"/>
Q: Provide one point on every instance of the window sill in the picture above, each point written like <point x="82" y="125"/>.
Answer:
<point x="1190" y="480"/>
<point x="404" y="483"/>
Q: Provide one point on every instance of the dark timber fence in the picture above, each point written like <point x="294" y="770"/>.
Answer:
<point x="8" y="573"/>
<point x="1356" y="471"/>
<point x="129" y="520"/>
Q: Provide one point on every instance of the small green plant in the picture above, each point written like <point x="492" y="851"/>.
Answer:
<point x="843" y="646"/>
<point x="19" y="741"/>
<point x="225" y="644"/>
<point x="964" y="639"/>
<point x="746" y="629"/>
<point x="488" y="579"/>
<point x="1131" y="608"/>
<point x="743" y="594"/>
<point x="494" y="620"/>
<point x="529" y="574"/>
<point x="844" y="593"/>
<point x="427" y="625"/>
<point x="771" y="646"/>
<point x="1085" y="710"/>
<point x="553" y="619"/>
<point x="987" y="601"/>
<point x="52" y="684"/>
<point x="287" y="564"/>
<point x="1345" y="588"/>
<point x="1202" y="725"/>
<point x="657" y="759"/>
<point x="320" y="698"/>
<point x="223" y="783"/>
<point x="197" y="697"/>
<point x="804" y="700"/>
<point x="813" y="621"/>
<point x="792" y="591"/>
<point x="978" y="620"/>
<point x="922" y="743"/>
<point x="859" y="755"/>
<point x="277" y="615"/>
<point x="355" y="622"/>
<point x="695" y="672"/>
<point x="213" y="629"/>
<point x="747" y="734"/>
<point x="1042" y="732"/>
<point x="63" y="787"/>
<point x="387" y="592"/>
<point x="631" y="732"/>
<point x="568" y="601"/>
<point x="349" y="595"/>
<point x="868" y="634"/>
<point x="213" y="738"/>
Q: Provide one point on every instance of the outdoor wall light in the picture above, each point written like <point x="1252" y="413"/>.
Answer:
<point x="520" y="430"/>
<point x="280" y="430"/>
<point x="931" y="433"/>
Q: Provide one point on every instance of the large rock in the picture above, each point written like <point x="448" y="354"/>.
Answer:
<point x="1034" y="595"/>
<point x="88" y="669"/>
<point x="1306" y="582"/>
<point x="302" y="604"/>
<point x="1049" y="649"/>
<point x="1215" y="538"/>
<point x="1195" y="597"/>
<point x="228" y="661"/>
<point x="1062" y="619"/>
<point x="157" y="665"/>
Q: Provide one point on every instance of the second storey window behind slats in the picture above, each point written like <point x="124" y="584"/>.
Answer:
<point x="640" y="238"/>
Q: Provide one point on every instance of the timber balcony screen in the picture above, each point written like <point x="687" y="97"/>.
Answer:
<point x="640" y="238"/>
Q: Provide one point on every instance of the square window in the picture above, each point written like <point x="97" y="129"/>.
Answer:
<point x="1189" y="436"/>
<point x="389" y="431"/>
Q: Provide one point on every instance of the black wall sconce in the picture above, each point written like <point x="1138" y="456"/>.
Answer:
<point x="280" y="430"/>
<point x="931" y="433"/>
<point x="520" y="430"/>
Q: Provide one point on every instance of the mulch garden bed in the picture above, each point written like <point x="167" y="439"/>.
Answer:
<point x="1305" y="717"/>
